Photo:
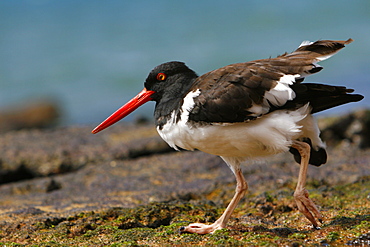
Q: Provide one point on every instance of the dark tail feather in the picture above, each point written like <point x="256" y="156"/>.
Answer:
<point x="321" y="97"/>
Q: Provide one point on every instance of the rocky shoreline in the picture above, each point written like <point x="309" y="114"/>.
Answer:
<point x="61" y="180"/>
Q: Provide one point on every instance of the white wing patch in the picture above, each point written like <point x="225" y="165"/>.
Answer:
<point x="188" y="104"/>
<point x="281" y="93"/>
<point x="305" y="43"/>
<point x="322" y="58"/>
<point x="318" y="59"/>
<point x="258" y="110"/>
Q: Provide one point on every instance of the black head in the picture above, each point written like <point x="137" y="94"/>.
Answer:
<point x="169" y="79"/>
<point x="166" y="85"/>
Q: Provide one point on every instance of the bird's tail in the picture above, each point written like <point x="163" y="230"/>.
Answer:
<point x="322" y="97"/>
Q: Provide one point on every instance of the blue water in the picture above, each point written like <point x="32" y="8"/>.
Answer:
<point x="93" y="56"/>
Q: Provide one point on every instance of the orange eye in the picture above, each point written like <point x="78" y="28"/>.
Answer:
<point x="161" y="76"/>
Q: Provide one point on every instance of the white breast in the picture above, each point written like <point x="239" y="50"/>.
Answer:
<point x="271" y="134"/>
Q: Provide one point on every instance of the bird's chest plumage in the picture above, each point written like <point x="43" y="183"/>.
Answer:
<point x="269" y="134"/>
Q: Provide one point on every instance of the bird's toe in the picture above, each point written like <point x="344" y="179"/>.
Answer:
<point x="200" y="228"/>
<point x="307" y="207"/>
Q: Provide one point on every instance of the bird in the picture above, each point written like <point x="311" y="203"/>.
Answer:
<point x="244" y="111"/>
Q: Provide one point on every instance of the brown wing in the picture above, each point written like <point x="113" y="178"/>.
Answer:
<point x="244" y="91"/>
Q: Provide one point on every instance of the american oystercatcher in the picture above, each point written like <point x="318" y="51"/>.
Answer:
<point x="245" y="110"/>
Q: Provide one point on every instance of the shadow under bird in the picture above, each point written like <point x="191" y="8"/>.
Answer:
<point x="245" y="110"/>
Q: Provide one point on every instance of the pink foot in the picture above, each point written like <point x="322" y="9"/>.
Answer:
<point x="307" y="207"/>
<point x="200" y="228"/>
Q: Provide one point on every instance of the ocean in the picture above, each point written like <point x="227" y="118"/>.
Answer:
<point x="93" y="56"/>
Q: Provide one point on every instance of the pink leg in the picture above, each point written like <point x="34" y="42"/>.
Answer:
<point x="241" y="188"/>
<point x="304" y="203"/>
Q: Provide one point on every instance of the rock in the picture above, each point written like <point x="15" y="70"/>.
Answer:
<point x="27" y="154"/>
<point x="36" y="114"/>
<point x="353" y="128"/>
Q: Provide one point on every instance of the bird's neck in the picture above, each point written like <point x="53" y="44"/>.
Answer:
<point x="171" y="101"/>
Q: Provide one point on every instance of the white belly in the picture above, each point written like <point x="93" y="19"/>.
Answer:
<point x="271" y="134"/>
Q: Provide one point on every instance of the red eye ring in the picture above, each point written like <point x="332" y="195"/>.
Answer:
<point x="161" y="76"/>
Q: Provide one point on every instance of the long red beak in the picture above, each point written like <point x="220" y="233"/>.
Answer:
<point x="140" y="99"/>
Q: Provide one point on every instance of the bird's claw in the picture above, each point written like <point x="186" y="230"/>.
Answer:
<point x="200" y="228"/>
<point x="307" y="207"/>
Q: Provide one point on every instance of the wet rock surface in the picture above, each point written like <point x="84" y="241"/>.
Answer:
<point x="70" y="182"/>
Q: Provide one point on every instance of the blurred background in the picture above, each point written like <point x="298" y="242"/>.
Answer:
<point x="84" y="59"/>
